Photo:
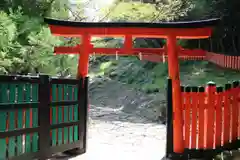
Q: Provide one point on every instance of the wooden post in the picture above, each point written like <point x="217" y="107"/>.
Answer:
<point x="84" y="58"/>
<point x="173" y="71"/>
<point x="169" y="149"/>
<point x="44" y="116"/>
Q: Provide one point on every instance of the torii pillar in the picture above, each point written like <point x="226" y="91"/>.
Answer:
<point x="173" y="72"/>
<point x="171" y="31"/>
<point x="84" y="53"/>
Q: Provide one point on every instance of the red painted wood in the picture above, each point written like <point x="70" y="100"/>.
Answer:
<point x="128" y="43"/>
<point x="219" y="119"/>
<point x="130" y="51"/>
<point x="183" y="94"/>
<point x="210" y="116"/>
<point x="84" y="57"/>
<point x="173" y="70"/>
<point x="238" y="106"/>
<point x="202" y="121"/>
<point x="226" y="117"/>
<point x="194" y="120"/>
<point x="109" y="51"/>
<point x="187" y="121"/>
<point x="235" y="112"/>
<point x="123" y="51"/>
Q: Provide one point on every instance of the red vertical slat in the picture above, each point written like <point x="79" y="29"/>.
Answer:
<point x="194" y="118"/>
<point x="183" y="109"/>
<point x="225" y="61"/>
<point x="235" y="111"/>
<point x="210" y="115"/>
<point x="226" y="113"/>
<point x="187" y="117"/>
<point x="238" y="106"/>
<point x="235" y="62"/>
<point x="219" y="60"/>
<point x="222" y="62"/>
<point x="219" y="120"/>
<point x="230" y="62"/>
<point x="202" y="119"/>
<point x="238" y="62"/>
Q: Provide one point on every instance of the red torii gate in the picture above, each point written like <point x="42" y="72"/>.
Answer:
<point x="169" y="30"/>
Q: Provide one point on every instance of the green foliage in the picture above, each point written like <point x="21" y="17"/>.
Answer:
<point x="26" y="44"/>
<point x="149" y="12"/>
<point x="134" y="11"/>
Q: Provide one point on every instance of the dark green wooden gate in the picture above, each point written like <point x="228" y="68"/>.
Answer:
<point x="40" y="116"/>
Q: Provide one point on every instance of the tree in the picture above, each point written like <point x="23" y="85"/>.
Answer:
<point x="26" y="44"/>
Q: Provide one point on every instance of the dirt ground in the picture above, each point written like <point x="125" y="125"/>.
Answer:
<point x="121" y="128"/>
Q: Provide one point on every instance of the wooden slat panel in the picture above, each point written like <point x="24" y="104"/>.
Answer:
<point x="20" y="115"/>
<point x="60" y="113"/>
<point x="219" y="117"/>
<point x="71" y="113"/>
<point x="202" y="119"/>
<point x="226" y="114"/>
<point x="235" y="111"/>
<point x="12" y="120"/>
<point x="183" y="109"/>
<point x="187" y="118"/>
<point x="3" y="118"/>
<point x="28" y="118"/>
<point x="210" y="116"/>
<point x="65" y="114"/>
<point x="34" y="117"/>
<point x="194" y="100"/>
<point x="75" y="111"/>
<point x="54" y="115"/>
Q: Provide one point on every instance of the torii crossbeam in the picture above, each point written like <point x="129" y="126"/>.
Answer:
<point x="169" y="30"/>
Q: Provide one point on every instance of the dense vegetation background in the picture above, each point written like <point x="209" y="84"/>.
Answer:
<point x="26" y="45"/>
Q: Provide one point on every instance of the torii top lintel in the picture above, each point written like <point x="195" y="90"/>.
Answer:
<point x="183" y="29"/>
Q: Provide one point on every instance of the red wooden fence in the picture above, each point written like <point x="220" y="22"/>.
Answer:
<point x="211" y="116"/>
<point x="231" y="62"/>
<point x="225" y="61"/>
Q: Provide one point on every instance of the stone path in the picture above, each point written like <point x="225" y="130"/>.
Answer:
<point x="135" y="138"/>
<point x="120" y="126"/>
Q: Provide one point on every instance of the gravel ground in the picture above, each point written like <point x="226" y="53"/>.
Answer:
<point x="133" y="138"/>
<point x="120" y="128"/>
